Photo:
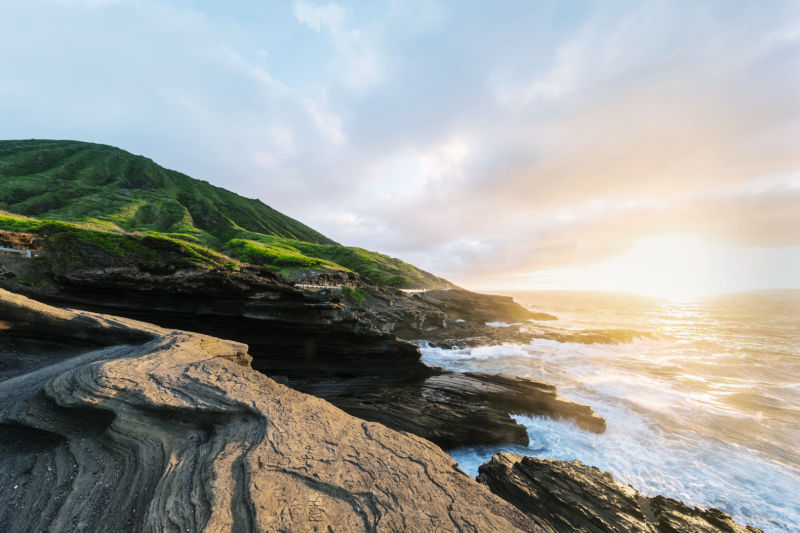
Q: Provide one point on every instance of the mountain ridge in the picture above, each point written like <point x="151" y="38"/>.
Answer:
<point x="76" y="176"/>
<point x="102" y="188"/>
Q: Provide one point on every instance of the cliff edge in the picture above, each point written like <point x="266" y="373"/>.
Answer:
<point x="110" y="424"/>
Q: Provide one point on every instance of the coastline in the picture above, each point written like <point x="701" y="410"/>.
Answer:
<point x="244" y="430"/>
<point x="347" y="351"/>
<point x="702" y="410"/>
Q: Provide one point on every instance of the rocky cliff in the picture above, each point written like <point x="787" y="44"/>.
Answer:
<point x="107" y="424"/>
<point x="315" y="342"/>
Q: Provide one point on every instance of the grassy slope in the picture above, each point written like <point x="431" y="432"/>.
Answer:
<point x="107" y="193"/>
<point x="69" y="180"/>
<point x="79" y="243"/>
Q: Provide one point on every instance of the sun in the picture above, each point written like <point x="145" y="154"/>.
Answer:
<point x="677" y="267"/>
<point x="672" y="266"/>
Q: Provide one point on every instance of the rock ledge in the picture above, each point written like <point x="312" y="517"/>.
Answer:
<point x="140" y="428"/>
<point x="566" y="497"/>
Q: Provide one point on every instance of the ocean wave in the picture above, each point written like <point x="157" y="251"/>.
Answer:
<point x="701" y="400"/>
<point x="539" y="348"/>
<point x="697" y="471"/>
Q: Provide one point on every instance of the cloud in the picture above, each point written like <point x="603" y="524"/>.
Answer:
<point x="558" y="82"/>
<point x="328" y="16"/>
<point x="669" y="134"/>
<point x="414" y="175"/>
<point x="470" y="140"/>
<point x="358" y="62"/>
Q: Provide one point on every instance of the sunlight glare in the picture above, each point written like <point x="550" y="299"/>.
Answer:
<point x="678" y="267"/>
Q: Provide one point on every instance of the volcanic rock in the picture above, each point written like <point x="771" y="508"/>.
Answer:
<point x="317" y="344"/>
<point x="451" y="409"/>
<point x="19" y="240"/>
<point x="567" y="497"/>
<point x="142" y="428"/>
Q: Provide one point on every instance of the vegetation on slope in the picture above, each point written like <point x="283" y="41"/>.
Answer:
<point x="76" y="181"/>
<point x="276" y="253"/>
<point x="69" y="243"/>
<point x="97" y="195"/>
<point x="377" y="268"/>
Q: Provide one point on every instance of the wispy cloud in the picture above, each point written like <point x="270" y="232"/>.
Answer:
<point x="470" y="140"/>
<point x="358" y="63"/>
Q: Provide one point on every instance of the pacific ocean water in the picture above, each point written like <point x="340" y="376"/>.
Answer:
<point x="704" y="406"/>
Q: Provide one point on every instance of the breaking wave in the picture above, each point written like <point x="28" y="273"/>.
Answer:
<point x="705" y="408"/>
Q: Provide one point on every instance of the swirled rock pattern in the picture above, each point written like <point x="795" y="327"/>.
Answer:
<point x="139" y="428"/>
<point x="570" y="497"/>
<point x="319" y="344"/>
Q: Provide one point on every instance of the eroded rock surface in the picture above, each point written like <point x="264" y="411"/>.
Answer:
<point x="162" y="430"/>
<point x="568" y="497"/>
<point x="452" y="408"/>
<point x="317" y="343"/>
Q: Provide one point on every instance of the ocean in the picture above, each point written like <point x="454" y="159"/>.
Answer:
<point x="703" y="407"/>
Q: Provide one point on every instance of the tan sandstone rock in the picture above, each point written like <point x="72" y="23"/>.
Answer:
<point x="161" y="430"/>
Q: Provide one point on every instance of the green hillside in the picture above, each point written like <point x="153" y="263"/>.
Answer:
<point x="69" y="180"/>
<point x="100" y="194"/>
<point x="71" y="244"/>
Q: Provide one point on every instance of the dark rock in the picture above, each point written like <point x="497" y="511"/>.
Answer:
<point x="451" y="409"/>
<point x="470" y="334"/>
<point x="474" y="307"/>
<point x="460" y="318"/>
<point x="162" y="430"/>
<point x="443" y="314"/>
<point x="568" y="497"/>
<point x="319" y="346"/>
<point x="328" y="277"/>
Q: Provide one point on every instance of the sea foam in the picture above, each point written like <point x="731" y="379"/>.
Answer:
<point x="706" y="411"/>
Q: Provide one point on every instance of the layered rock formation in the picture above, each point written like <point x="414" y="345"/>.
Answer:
<point x="452" y="409"/>
<point x="461" y="318"/>
<point x="314" y="342"/>
<point x="441" y="314"/>
<point x="138" y="428"/>
<point x="567" y="497"/>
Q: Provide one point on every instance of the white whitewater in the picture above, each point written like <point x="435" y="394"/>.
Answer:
<point x="707" y="410"/>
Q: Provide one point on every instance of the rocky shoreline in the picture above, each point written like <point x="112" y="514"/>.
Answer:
<point x="128" y="416"/>
<point x="163" y="430"/>
<point x="318" y="343"/>
<point x="565" y="496"/>
<point x="108" y="424"/>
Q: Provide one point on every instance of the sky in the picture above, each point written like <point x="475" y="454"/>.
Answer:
<point x="647" y="146"/>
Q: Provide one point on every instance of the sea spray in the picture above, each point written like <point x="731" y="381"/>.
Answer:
<point x="706" y="411"/>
